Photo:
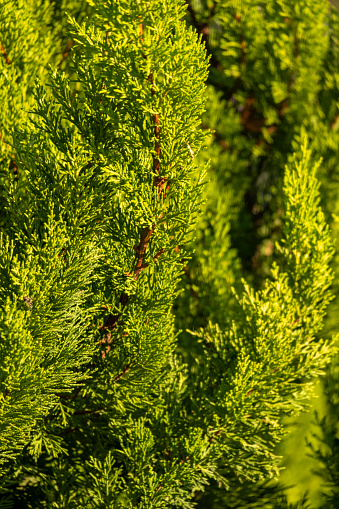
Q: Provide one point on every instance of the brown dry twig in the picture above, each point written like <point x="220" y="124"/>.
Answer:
<point x="3" y="51"/>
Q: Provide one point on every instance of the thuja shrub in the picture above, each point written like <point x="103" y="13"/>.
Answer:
<point x="99" y="406"/>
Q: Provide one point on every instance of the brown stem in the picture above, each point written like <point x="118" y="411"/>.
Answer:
<point x="123" y="372"/>
<point x="13" y="166"/>
<point x="216" y="434"/>
<point x="140" y="250"/>
<point x="110" y="324"/>
<point x="66" y="52"/>
<point x="162" y="250"/>
<point x="3" y="51"/>
<point x="162" y="186"/>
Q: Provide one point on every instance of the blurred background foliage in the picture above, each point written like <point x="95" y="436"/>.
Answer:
<point x="274" y="75"/>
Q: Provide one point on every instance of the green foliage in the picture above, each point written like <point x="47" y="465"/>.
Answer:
<point x="326" y="450"/>
<point x="268" y="349"/>
<point x="273" y="77"/>
<point x="102" y="405"/>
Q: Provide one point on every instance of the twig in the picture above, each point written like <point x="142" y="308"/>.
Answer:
<point x="123" y="372"/>
<point x="3" y="51"/>
<point x="66" y="52"/>
<point x="140" y="250"/>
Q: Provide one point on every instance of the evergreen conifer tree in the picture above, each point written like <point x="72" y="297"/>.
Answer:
<point x="100" y="408"/>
